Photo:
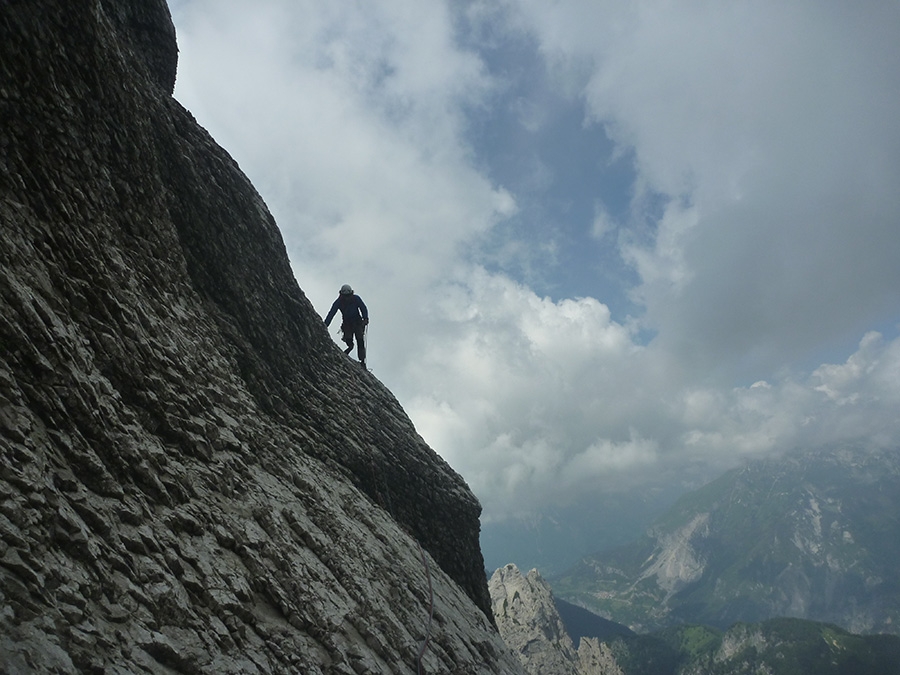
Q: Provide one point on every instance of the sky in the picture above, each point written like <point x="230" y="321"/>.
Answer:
<point x="602" y="243"/>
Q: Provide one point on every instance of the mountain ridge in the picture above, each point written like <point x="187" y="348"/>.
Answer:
<point x="194" y="476"/>
<point x="811" y="535"/>
<point x="530" y="618"/>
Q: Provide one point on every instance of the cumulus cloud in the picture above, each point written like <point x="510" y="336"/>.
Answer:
<point x="347" y="117"/>
<point x="761" y="231"/>
<point x="772" y="133"/>
<point x="553" y="402"/>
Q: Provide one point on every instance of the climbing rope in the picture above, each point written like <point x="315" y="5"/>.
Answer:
<point x="430" y="611"/>
<point x="384" y="498"/>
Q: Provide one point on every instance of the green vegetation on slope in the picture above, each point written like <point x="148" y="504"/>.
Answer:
<point x="774" y="647"/>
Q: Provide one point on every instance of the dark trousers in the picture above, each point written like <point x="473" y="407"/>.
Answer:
<point x="357" y="330"/>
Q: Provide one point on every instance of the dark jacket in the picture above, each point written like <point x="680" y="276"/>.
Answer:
<point x="353" y="309"/>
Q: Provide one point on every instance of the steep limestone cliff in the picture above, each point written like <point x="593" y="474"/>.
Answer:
<point x="532" y="627"/>
<point x="529" y="622"/>
<point x="193" y="477"/>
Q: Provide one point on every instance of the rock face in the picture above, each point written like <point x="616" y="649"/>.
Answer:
<point x="532" y="627"/>
<point x="813" y="535"/>
<point x="193" y="477"/>
<point x="529" y="622"/>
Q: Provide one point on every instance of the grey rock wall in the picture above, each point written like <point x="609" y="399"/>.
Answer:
<point x="529" y="622"/>
<point x="193" y="477"/>
<point x="532" y="627"/>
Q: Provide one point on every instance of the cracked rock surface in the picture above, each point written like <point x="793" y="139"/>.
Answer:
<point x="193" y="477"/>
<point x="530" y="623"/>
<point x="532" y="627"/>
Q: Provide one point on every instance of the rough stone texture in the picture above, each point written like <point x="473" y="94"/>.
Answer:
<point x="531" y="626"/>
<point x="193" y="477"/>
<point x="146" y="28"/>
<point x="597" y="658"/>
<point x="678" y="563"/>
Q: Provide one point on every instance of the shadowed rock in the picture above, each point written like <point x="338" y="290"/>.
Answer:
<point x="193" y="476"/>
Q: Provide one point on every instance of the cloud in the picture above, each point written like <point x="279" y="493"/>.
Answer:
<point x="775" y="129"/>
<point x="560" y="402"/>
<point x="347" y="117"/>
<point x="759" y="234"/>
<point x="525" y="381"/>
<point x="603" y="223"/>
<point x="551" y="402"/>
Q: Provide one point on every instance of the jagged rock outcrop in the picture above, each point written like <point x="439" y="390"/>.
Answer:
<point x="597" y="658"/>
<point x="532" y="627"/>
<point x="193" y="477"/>
<point x="529" y="623"/>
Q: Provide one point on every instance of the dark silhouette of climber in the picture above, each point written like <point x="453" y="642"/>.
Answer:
<point x="355" y="319"/>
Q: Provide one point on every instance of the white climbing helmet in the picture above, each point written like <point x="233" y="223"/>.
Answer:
<point x="346" y="290"/>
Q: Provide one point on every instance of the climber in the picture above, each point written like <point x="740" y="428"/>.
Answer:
<point x="356" y="318"/>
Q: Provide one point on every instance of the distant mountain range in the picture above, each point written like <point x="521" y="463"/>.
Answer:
<point x="811" y="535"/>
<point x="550" y="638"/>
